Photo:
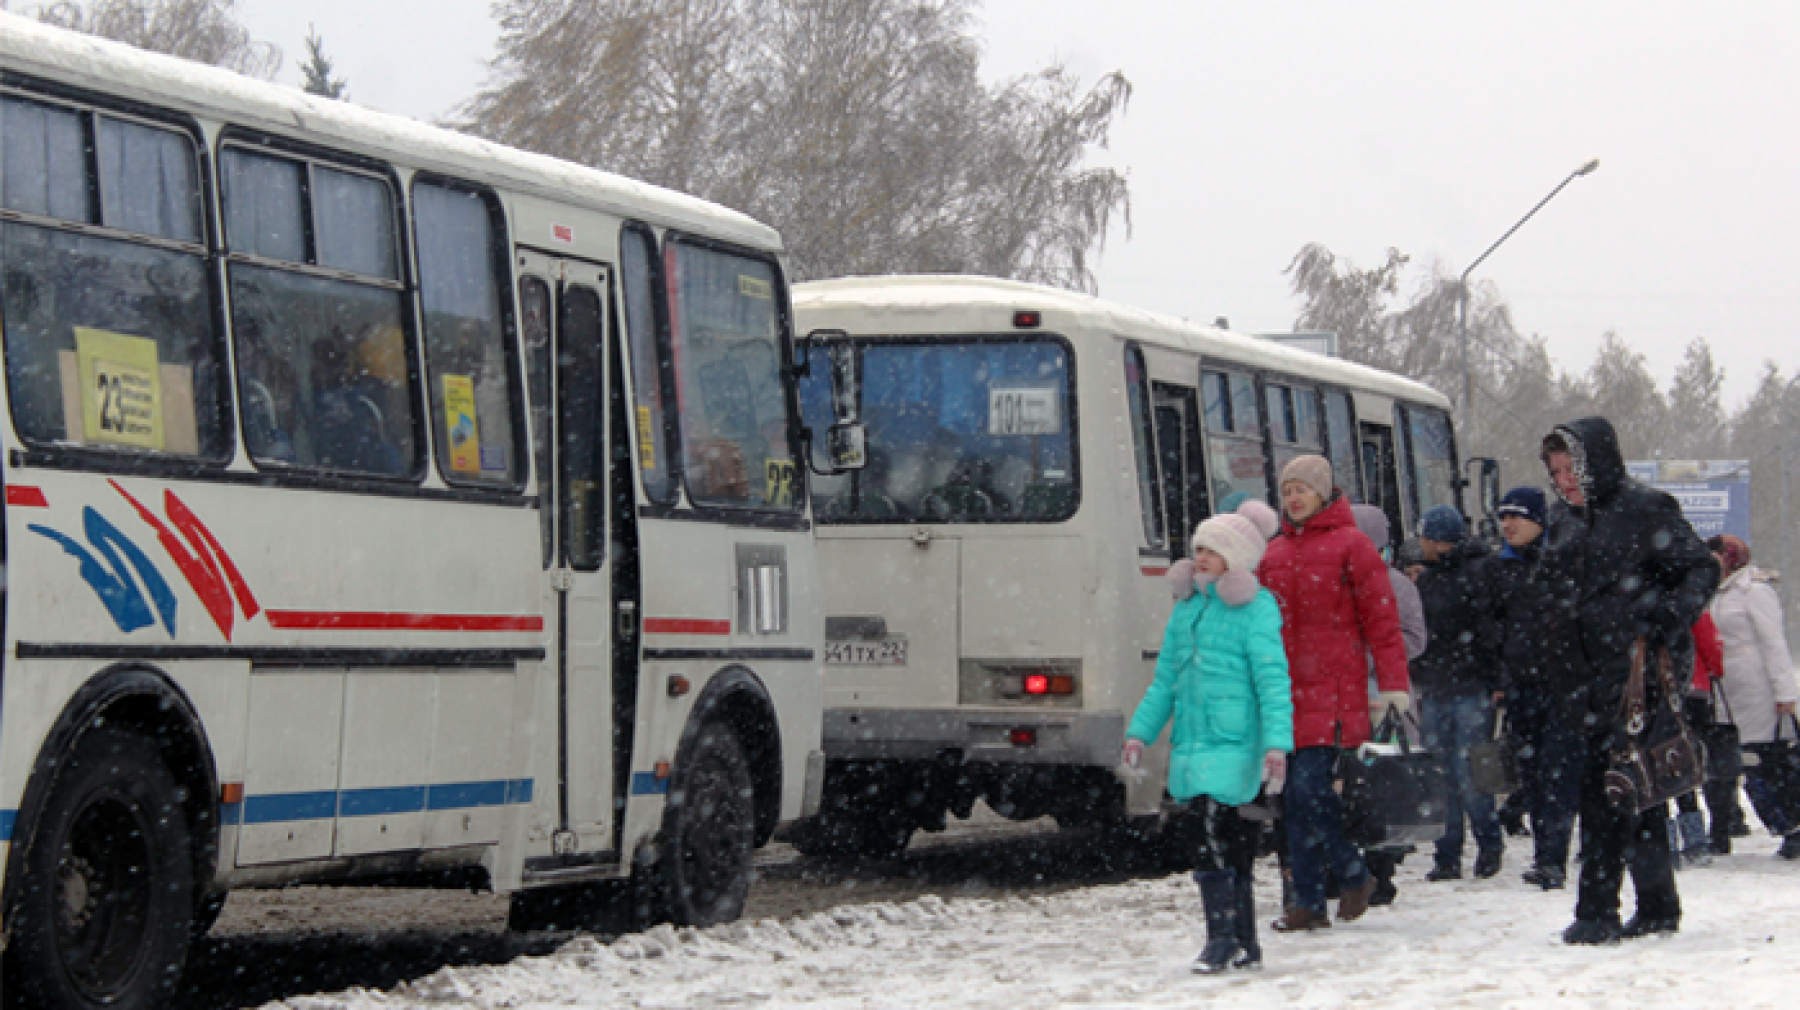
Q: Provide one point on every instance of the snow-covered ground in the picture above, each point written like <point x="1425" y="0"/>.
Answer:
<point x="1488" y="943"/>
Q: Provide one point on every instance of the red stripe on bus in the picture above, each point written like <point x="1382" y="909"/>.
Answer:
<point x="685" y="626"/>
<point x="1147" y="570"/>
<point x="349" y="621"/>
<point x="26" y="497"/>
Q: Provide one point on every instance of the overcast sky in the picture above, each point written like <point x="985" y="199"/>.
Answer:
<point x="1426" y="126"/>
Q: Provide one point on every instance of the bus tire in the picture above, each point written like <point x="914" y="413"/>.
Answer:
<point x="709" y="832"/>
<point x="105" y="908"/>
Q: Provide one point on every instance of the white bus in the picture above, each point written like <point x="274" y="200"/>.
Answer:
<point x="994" y="577"/>
<point x="378" y="502"/>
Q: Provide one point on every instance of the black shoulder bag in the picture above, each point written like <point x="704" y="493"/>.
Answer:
<point x="1657" y="758"/>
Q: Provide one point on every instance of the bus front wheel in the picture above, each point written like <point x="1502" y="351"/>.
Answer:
<point x="105" y="908"/>
<point x="708" y="833"/>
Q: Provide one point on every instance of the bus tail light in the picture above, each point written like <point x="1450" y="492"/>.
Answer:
<point x="1039" y="683"/>
<point x="1024" y="736"/>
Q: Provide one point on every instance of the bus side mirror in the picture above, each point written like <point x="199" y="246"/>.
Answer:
<point x="1487" y="493"/>
<point x="847" y="445"/>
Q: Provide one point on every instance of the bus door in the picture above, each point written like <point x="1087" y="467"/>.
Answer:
<point x="564" y="309"/>
<point x="1381" y="477"/>
<point x="1179" y="452"/>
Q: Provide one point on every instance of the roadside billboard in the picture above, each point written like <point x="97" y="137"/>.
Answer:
<point x="1714" y="493"/>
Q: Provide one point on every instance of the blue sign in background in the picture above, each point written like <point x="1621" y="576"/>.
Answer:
<point x="1714" y="493"/>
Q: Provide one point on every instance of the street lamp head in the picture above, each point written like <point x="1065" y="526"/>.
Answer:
<point x="1588" y="168"/>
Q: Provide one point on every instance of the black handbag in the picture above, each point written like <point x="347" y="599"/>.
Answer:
<point x="1493" y="763"/>
<point x="1724" y="753"/>
<point x="1772" y="779"/>
<point x="1657" y="757"/>
<point x="1395" y="793"/>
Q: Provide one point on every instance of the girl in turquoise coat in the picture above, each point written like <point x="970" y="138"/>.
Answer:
<point x="1222" y="679"/>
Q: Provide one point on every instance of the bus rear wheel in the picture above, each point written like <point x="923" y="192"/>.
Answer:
<point x="708" y="833"/>
<point x="106" y="905"/>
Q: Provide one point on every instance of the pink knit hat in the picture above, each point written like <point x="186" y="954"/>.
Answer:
<point x="1240" y="538"/>
<point x="1313" y="471"/>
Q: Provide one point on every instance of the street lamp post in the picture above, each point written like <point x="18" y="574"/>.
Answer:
<point x="1462" y="296"/>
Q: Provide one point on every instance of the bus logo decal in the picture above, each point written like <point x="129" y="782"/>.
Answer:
<point x="207" y="568"/>
<point x="118" y="592"/>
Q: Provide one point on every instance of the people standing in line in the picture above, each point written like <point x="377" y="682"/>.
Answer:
<point x="1689" y="840"/>
<point x="1542" y="713"/>
<point x="1337" y="608"/>
<point x="1382" y="862"/>
<point x="1623" y="567"/>
<point x="1758" y="692"/>
<point x="1457" y="679"/>
<point x="1222" y="678"/>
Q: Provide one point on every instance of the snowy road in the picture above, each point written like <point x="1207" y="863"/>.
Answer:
<point x="1489" y="943"/>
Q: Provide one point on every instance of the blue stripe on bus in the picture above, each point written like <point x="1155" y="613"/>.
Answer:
<point x="313" y="806"/>
<point x="7" y="817"/>
<point x="647" y="784"/>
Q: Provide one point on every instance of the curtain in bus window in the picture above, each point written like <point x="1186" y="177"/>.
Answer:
<point x="652" y="421"/>
<point x="968" y="431"/>
<point x="265" y="212"/>
<point x="1340" y="444"/>
<point x="473" y="390"/>
<point x="1138" y="403"/>
<point x="355" y="220"/>
<point x="1433" y="457"/>
<point x="147" y="181"/>
<point x="1216" y="395"/>
<point x="110" y="343"/>
<point x="734" y="417"/>
<point x="1279" y="400"/>
<point x="44" y="169"/>
<point x="1243" y="405"/>
<point x="322" y="372"/>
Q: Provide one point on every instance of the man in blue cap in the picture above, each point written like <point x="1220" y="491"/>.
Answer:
<point x="1545" y="729"/>
<point x="1457" y="678"/>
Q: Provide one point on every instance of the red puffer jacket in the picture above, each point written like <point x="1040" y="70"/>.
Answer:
<point x="1337" y="608"/>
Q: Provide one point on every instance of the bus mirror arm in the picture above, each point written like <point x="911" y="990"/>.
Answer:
<point x="802" y="366"/>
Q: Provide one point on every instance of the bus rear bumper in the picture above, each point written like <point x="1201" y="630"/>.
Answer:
<point x="989" y="736"/>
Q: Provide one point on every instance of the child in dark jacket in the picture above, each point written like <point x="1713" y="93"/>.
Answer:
<point x="1222" y="679"/>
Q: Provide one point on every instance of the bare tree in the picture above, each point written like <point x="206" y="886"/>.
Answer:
<point x="860" y="128"/>
<point x="205" y="31"/>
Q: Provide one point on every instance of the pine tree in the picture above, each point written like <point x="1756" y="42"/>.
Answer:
<point x="316" y="71"/>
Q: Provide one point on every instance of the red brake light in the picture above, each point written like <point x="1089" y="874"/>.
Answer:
<point x="1028" y="320"/>
<point x="1024" y="736"/>
<point x="1037" y="683"/>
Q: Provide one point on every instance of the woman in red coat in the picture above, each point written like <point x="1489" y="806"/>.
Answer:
<point x="1337" y="609"/>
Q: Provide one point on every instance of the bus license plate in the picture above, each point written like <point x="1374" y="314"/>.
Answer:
<point x="890" y="652"/>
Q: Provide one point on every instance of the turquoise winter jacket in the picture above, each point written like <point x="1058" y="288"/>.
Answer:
<point x="1222" y="676"/>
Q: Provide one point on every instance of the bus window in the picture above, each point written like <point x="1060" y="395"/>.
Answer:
<point x="1137" y="394"/>
<point x="649" y="344"/>
<point x="967" y="430"/>
<point x="534" y="333"/>
<point x="1340" y="444"/>
<point x="322" y="361"/>
<point x="474" y="391"/>
<point x="1431" y="463"/>
<point x="109" y="336"/>
<point x="1234" y="443"/>
<point x="727" y="335"/>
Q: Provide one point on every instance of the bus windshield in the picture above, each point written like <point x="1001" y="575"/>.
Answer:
<point x="967" y="430"/>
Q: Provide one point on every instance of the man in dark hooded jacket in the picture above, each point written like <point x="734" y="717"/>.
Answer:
<point x="1621" y="564"/>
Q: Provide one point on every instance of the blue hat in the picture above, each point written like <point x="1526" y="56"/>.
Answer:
<point x="1442" y="523"/>
<point x="1524" y="501"/>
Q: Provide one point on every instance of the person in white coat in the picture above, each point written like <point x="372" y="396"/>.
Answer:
<point x="1759" y="688"/>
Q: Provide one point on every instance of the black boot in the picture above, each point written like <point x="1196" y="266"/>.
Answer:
<point x="1246" y="924"/>
<point x="1219" y="895"/>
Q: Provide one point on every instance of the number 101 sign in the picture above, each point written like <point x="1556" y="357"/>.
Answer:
<point x="1024" y="410"/>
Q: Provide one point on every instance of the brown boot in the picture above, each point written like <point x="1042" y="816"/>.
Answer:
<point x="1300" y="920"/>
<point x="1352" y="904"/>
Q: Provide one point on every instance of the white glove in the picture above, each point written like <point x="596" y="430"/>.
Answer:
<point x="1400" y="701"/>
<point x="1134" y="753"/>
<point x="1274" y="772"/>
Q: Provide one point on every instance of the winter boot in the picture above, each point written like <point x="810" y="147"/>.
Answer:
<point x="1487" y="863"/>
<point x="1246" y="924"/>
<point x="1790" y="845"/>
<point x="1219" y="895"/>
<point x="1696" y="844"/>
